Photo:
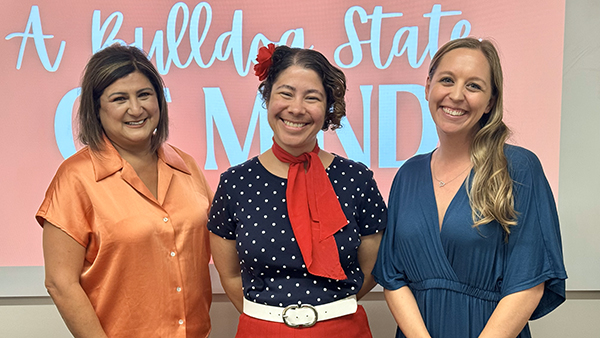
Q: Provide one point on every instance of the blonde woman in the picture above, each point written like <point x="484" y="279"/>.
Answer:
<point x="473" y="244"/>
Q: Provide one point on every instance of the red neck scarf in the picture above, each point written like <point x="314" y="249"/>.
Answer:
<point x="315" y="212"/>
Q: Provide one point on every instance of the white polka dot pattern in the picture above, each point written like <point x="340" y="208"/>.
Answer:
<point x="250" y="207"/>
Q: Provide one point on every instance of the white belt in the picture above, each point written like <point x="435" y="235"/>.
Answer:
<point x="304" y="315"/>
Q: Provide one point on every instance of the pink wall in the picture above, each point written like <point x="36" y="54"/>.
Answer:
<point x="529" y="35"/>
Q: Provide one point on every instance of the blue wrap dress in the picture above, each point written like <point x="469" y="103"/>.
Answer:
<point x="459" y="274"/>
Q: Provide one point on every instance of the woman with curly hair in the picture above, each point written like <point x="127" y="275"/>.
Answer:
<point x="295" y="230"/>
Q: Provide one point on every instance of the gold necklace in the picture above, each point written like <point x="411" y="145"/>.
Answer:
<point x="442" y="183"/>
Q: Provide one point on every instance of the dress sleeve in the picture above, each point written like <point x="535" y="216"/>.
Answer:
<point x="534" y="252"/>
<point x="67" y="205"/>
<point x="388" y="270"/>
<point x="373" y="212"/>
<point x="221" y="220"/>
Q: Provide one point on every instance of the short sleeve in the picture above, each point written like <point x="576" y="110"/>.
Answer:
<point x="220" y="220"/>
<point x="389" y="271"/>
<point x="373" y="212"/>
<point x="534" y="251"/>
<point x="67" y="205"/>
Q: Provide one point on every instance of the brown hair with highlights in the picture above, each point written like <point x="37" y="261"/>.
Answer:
<point x="103" y="69"/>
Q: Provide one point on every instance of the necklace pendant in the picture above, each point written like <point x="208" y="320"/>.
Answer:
<point x="442" y="184"/>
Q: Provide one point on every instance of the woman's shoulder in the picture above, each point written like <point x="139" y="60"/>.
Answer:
<point x="346" y="163"/>
<point x="80" y="162"/>
<point x="185" y="156"/>
<point x="419" y="159"/>
<point x="350" y="169"/>
<point x="520" y="158"/>
<point x="518" y="153"/>
<point x="74" y="173"/>
<point x="248" y="166"/>
<point x="416" y="163"/>
<point x="174" y="155"/>
<point x="524" y="167"/>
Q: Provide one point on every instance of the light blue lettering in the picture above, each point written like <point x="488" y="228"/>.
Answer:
<point x="353" y="40"/>
<point x="174" y="42"/>
<point x="462" y="29"/>
<point x="434" y="29"/>
<point x="98" y="31"/>
<point x="218" y="116"/>
<point x="348" y="138"/>
<point x="410" y="46"/>
<point x="412" y="40"/>
<point x="33" y="29"/>
<point x="387" y="123"/>
<point x="138" y="38"/>
<point x="156" y="50"/>
<point x="196" y="42"/>
<point x="377" y="19"/>
<point x="228" y="44"/>
<point x="63" y="129"/>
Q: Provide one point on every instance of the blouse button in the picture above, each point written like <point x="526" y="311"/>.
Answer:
<point x="172" y="253"/>
<point x="178" y="289"/>
<point x="180" y="321"/>
<point x="166" y="219"/>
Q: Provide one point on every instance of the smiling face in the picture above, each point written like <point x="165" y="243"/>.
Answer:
<point x="460" y="92"/>
<point x="129" y="112"/>
<point x="296" y="109"/>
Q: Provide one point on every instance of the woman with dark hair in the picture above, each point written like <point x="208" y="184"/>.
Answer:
<point x="295" y="230"/>
<point x="125" y="243"/>
<point x="473" y="245"/>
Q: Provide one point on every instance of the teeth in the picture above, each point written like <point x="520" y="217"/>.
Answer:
<point x="136" y="123"/>
<point x="295" y="125"/>
<point x="453" y="112"/>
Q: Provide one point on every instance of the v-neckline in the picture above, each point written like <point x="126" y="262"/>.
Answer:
<point x="440" y="225"/>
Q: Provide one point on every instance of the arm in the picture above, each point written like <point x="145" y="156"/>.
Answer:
<point x="63" y="261"/>
<point x="227" y="263"/>
<point x="512" y="313"/>
<point x="406" y="312"/>
<point x="367" y="255"/>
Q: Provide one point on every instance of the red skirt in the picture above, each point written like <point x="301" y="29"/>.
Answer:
<point x="355" y="325"/>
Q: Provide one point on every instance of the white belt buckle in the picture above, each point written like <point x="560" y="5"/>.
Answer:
<point x="300" y="316"/>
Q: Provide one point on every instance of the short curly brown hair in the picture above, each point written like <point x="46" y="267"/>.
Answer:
<point x="334" y="80"/>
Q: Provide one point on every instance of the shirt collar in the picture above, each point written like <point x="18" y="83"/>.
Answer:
<point x="171" y="157"/>
<point x="108" y="161"/>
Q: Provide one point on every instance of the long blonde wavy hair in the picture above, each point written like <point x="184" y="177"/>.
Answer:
<point x="491" y="194"/>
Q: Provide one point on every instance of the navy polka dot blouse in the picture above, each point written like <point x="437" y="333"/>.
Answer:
<point x="250" y="207"/>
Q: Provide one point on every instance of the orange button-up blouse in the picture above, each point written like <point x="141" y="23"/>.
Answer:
<point x="146" y="264"/>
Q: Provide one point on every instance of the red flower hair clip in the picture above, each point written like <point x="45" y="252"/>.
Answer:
<point x="263" y="59"/>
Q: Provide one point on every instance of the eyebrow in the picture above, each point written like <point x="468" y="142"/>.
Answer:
<point x="310" y="91"/>
<point x="286" y="87"/>
<point x="125" y="93"/>
<point x="471" y="78"/>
